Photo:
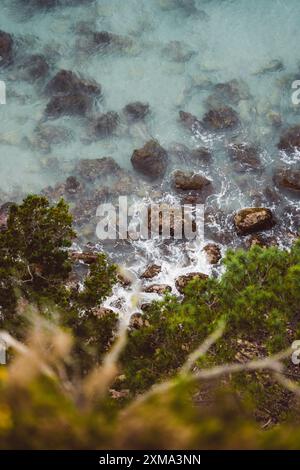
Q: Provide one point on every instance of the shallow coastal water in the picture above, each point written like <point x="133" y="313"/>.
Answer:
<point x="176" y="53"/>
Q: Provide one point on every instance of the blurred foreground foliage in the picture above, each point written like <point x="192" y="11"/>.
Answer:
<point x="77" y="379"/>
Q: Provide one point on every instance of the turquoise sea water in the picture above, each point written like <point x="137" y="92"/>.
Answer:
<point x="217" y="41"/>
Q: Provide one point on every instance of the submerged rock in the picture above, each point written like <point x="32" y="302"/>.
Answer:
<point x="287" y="178"/>
<point x="105" y="42"/>
<point x="6" y="48"/>
<point x="136" y="111"/>
<point x="290" y="140"/>
<point x="244" y="157"/>
<point x="190" y="181"/>
<point x="106" y="124"/>
<point x="151" y="271"/>
<point x="34" y="67"/>
<point x="151" y="160"/>
<point x="253" y="219"/>
<point x="231" y="92"/>
<point x="221" y="119"/>
<point x="67" y="82"/>
<point x="191" y="122"/>
<point x="177" y="51"/>
<point x="68" y="105"/>
<point x="274" y="65"/>
<point x="182" y="281"/>
<point x="213" y="253"/>
<point x="92" y="169"/>
<point x="188" y="6"/>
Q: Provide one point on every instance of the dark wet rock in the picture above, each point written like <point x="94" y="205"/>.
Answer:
<point x="274" y="65"/>
<point x="254" y="219"/>
<point x="92" y="169"/>
<point x="34" y="67"/>
<point x="190" y="181"/>
<point x="6" y="48"/>
<point x="136" y="111"/>
<point x="157" y="289"/>
<point x="151" y="271"/>
<point x="288" y="178"/>
<point x="4" y="213"/>
<point x="231" y="92"/>
<point x="66" y="82"/>
<point x="84" y="257"/>
<point x="182" y="281"/>
<point x="177" y="51"/>
<point x="213" y="253"/>
<point x="189" y="121"/>
<point x="105" y="125"/>
<point x="68" y="105"/>
<point x="290" y="140"/>
<point x="151" y="160"/>
<point x="221" y="119"/>
<point x="72" y="185"/>
<point x="186" y="155"/>
<point x="201" y="154"/>
<point x="244" y="157"/>
<point x="275" y="119"/>
<point x="107" y="42"/>
<point x="138" y="321"/>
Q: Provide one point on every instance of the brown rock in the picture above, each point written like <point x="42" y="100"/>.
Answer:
<point x="67" y="82"/>
<point x="190" y="181"/>
<point x="158" y="289"/>
<point x="151" y="271"/>
<point x="253" y="219"/>
<point x="151" y="160"/>
<point x="68" y="105"/>
<point x="287" y="178"/>
<point x="137" y="321"/>
<point x="221" y="119"/>
<point x="213" y="253"/>
<point x="106" y="124"/>
<point x="84" y="257"/>
<point x="182" y="281"/>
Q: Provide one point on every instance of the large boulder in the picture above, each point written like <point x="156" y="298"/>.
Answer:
<point x="6" y="48"/>
<point x="182" y="281"/>
<point x="253" y="219"/>
<point x="67" y="82"/>
<point x="151" y="160"/>
<point x="68" y="105"/>
<point x="287" y="178"/>
<point x="244" y="157"/>
<point x="221" y="119"/>
<point x="290" y="139"/>
<point x="190" y="181"/>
